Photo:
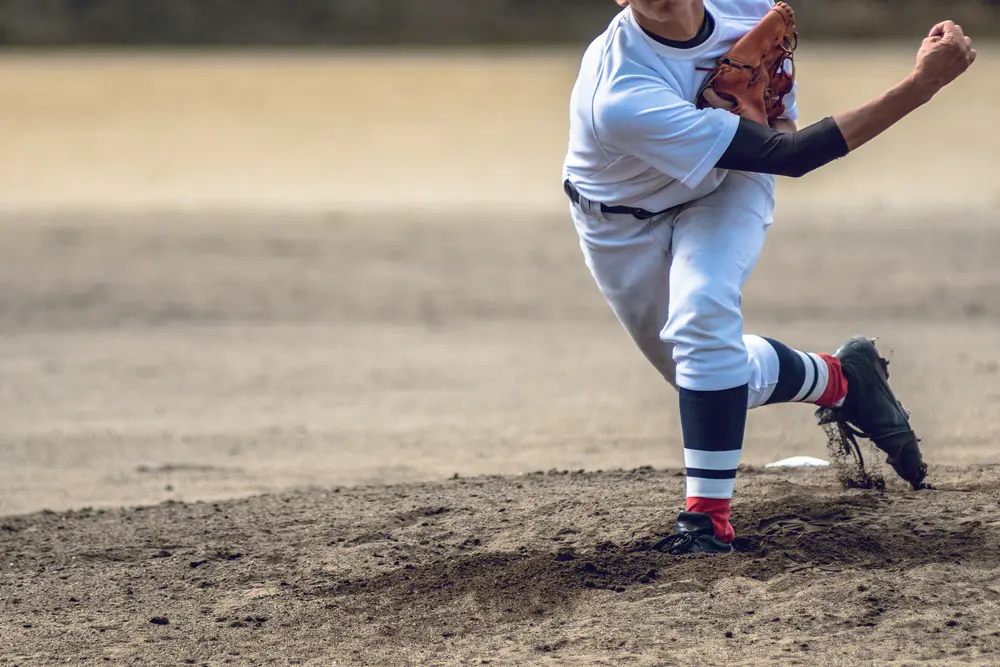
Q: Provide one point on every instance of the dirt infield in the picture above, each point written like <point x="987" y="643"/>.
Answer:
<point x="314" y="426"/>
<point x="548" y="568"/>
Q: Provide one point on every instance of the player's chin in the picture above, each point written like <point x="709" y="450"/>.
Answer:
<point x="670" y="6"/>
<point x="663" y="10"/>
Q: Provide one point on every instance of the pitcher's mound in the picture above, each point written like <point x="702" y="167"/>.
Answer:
<point x="514" y="570"/>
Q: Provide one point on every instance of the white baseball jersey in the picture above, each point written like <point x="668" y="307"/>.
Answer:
<point x="636" y="137"/>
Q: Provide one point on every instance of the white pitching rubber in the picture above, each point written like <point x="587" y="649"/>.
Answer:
<point x="799" y="462"/>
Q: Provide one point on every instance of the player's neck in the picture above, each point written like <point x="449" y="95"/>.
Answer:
<point x="683" y="25"/>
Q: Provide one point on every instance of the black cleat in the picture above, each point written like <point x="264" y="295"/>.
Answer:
<point x="695" y="535"/>
<point x="874" y="411"/>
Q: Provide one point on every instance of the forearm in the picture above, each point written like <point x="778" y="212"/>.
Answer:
<point x="944" y="55"/>
<point x="784" y="151"/>
<point x="864" y="123"/>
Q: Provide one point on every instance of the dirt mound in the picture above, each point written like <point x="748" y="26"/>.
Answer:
<point x="512" y="570"/>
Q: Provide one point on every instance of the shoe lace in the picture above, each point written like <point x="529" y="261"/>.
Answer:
<point x="848" y="435"/>
<point x="674" y="544"/>
<point x="844" y="435"/>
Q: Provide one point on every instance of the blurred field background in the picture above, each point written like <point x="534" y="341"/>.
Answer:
<point x="233" y="271"/>
<point x="431" y="129"/>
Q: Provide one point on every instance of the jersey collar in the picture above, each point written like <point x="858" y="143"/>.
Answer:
<point x="679" y="50"/>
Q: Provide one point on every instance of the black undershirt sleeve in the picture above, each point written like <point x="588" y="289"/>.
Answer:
<point x="764" y="150"/>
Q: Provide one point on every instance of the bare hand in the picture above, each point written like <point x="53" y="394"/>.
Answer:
<point x="944" y="55"/>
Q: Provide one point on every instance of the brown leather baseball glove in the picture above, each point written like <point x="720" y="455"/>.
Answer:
<point x="758" y="71"/>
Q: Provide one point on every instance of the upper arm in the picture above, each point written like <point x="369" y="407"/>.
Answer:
<point x="645" y="118"/>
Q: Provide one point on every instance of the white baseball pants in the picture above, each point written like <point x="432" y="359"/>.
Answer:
<point x="675" y="283"/>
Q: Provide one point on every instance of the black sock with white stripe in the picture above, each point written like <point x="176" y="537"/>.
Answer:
<point x="805" y="377"/>
<point x="713" y="423"/>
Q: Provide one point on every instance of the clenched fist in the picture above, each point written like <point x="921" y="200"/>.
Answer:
<point x="944" y="55"/>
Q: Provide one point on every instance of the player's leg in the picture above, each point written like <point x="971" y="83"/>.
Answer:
<point x="633" y="268"/>
<point x="852" y="384"/>
<point x="716" y="243"/>
<point x="631" y="265"/>
<point x="781" y="374"/>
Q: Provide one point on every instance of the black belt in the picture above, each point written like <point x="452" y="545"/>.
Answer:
<point x="640" y="213"/>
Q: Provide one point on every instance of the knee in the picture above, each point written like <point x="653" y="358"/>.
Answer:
<point x="705" y="313"/>
<point x="705" y="327"/>
<point x="645" y="333"/>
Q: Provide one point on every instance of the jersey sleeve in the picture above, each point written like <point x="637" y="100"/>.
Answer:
<point x="645" y="118"/>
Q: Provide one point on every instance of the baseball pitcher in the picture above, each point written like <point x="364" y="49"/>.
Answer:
<point x="682" y="115"/>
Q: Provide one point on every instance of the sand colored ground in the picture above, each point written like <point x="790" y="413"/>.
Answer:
<point x="213" y="287"/>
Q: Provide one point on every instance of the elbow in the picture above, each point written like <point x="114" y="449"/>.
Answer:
<point x="789" y="171"/>
<point x="799" y="169"/>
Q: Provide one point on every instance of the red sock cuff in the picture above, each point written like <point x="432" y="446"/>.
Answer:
<point x="718" y="509"/>
<point x="836" y="385"/>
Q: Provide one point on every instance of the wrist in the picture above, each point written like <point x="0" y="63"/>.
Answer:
<point x="917" y="88"/>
